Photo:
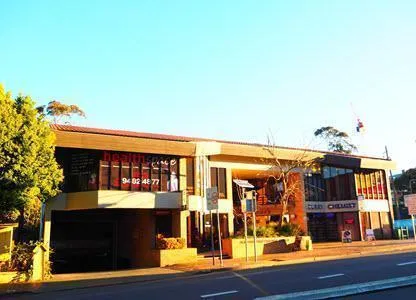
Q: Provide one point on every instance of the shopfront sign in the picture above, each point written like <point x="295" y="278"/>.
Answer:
<point x="373" y="205"/>
<point x="128" y="157"/>
<point x="331" y="206"/>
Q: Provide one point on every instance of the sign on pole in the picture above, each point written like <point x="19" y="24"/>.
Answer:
<point x="369" y="235"/>
<point x="346" y="236"/>
<point x="410" y="202"/>
<point x="212" y="198"/>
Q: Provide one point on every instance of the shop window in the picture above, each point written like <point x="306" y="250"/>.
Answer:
<point x="115" y="175"/>
<point x="135" y="177"/>
<point x="104" y="175"/>
<point x="125" y="176"/>
<point x="146" y="174"/>
<point x="152" y="174"/>
<point x="218" y="179"/>
<point x="371" y="184"/>
<point x="164" y="176"/>
<point x="155" y="179"/>
<point x="173" y="178"/>
<point x="333" y="184"/>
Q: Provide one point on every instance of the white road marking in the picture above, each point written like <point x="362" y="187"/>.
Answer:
<point x="406" y="263"/>
<point x="330" y="276"/>
<point x="218" y="294"/>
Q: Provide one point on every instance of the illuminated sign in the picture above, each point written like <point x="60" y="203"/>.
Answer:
<point x="331" y="206"/>
<point x="139" y="158"/>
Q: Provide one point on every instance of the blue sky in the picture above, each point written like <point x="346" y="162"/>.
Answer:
<point x="237" y="70"/>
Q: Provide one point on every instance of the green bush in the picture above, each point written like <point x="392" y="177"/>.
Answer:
<point x="289" y="230"/>
<point x="272" y="230"/>
<point x="22" y="261"/>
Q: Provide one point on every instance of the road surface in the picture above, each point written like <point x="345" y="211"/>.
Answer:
<point x="256" y="283"/>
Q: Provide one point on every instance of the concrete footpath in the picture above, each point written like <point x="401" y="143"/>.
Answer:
<point x="320" y="252"/>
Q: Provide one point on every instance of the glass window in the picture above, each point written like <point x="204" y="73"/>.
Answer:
<point x="125" y="176"/>
<point x="145" y="181"/>
<point x="326" y="172"/>
<point x="214" y="178"/>
<point x="115" y="175"/>
<point x="136" y="177"/>
<point x="164" y="176"/>
<point x="218" y="179"/>
<point x="155" y="180"/>
<point x="190" y="185"/>
<point x="222" y="184"/>
<point x="174" y="176"/>
<point x="104" y="175"/>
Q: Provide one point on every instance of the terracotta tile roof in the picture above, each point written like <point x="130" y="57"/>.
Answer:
<point x="178" y="138"/>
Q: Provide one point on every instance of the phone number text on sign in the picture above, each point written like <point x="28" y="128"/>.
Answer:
<point x="137" y="181"/>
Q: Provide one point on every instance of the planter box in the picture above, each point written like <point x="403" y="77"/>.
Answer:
<point x="236" y="248"/>
<point x="7" y="277"/>
<point x="168" y="257"/>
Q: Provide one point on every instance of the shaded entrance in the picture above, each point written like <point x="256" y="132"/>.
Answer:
<point x="105" y="239"/>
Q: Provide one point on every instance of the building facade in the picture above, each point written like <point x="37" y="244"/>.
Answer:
<point x="123" y="189"/>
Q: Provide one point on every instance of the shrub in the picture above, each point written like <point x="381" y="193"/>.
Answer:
<point x="22" y="261"/>
<point x="290" y="230"/>
<point x="169" y="243"/>
<point x="272" y="230"/>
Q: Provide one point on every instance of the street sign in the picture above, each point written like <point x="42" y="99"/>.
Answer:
<point x="346" y="236"/>
<point x="369" y="235"/>
<point x="410" y="202"/>
<point x="248" y="204"/>
<point x="212" y="198"/>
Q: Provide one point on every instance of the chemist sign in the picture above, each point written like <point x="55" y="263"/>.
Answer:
<point x="212" y="198"/>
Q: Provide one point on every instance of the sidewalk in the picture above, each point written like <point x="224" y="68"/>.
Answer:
<point x="321" y="252"/>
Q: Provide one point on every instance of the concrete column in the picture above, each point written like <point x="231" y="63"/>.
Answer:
<point x="231" y="223"/>
<point x="179" y="225"/>
<point x="56" y="203"/>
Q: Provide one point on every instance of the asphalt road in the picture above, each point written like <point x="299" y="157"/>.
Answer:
<point x="255" y="283"/>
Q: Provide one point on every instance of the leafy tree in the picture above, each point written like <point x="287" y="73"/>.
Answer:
<point x="338" y="141"/>
<point x="406" y="181"/>
<point x="57" y="110"/>
<point x="28" y="169"/>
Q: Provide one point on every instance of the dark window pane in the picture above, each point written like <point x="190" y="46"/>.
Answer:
<point x="222" y="183"/>
<point x="155" y="180"/>
<point x="136" y="177"/>
<point x="115" y="175"/>
<point x="164" y="178"/>
<point x="145" y="182"/>
<point x="104" y="175"/>
<point x="190" y="186"/>
<point x="174" y="175"/>
<point x="214" y="176"/>
<point x="125" y="176"/>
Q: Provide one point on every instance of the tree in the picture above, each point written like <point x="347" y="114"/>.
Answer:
<point x="57" y="110"/>
<point x="285" y="175"/>
<point x="28" y="169"/>
<point x="338" y="141"/>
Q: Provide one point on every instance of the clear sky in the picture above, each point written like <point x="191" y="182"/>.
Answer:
<point x="236" y="70"/>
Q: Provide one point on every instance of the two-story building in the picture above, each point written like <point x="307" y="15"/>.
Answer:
<point x="122" y="189"/>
